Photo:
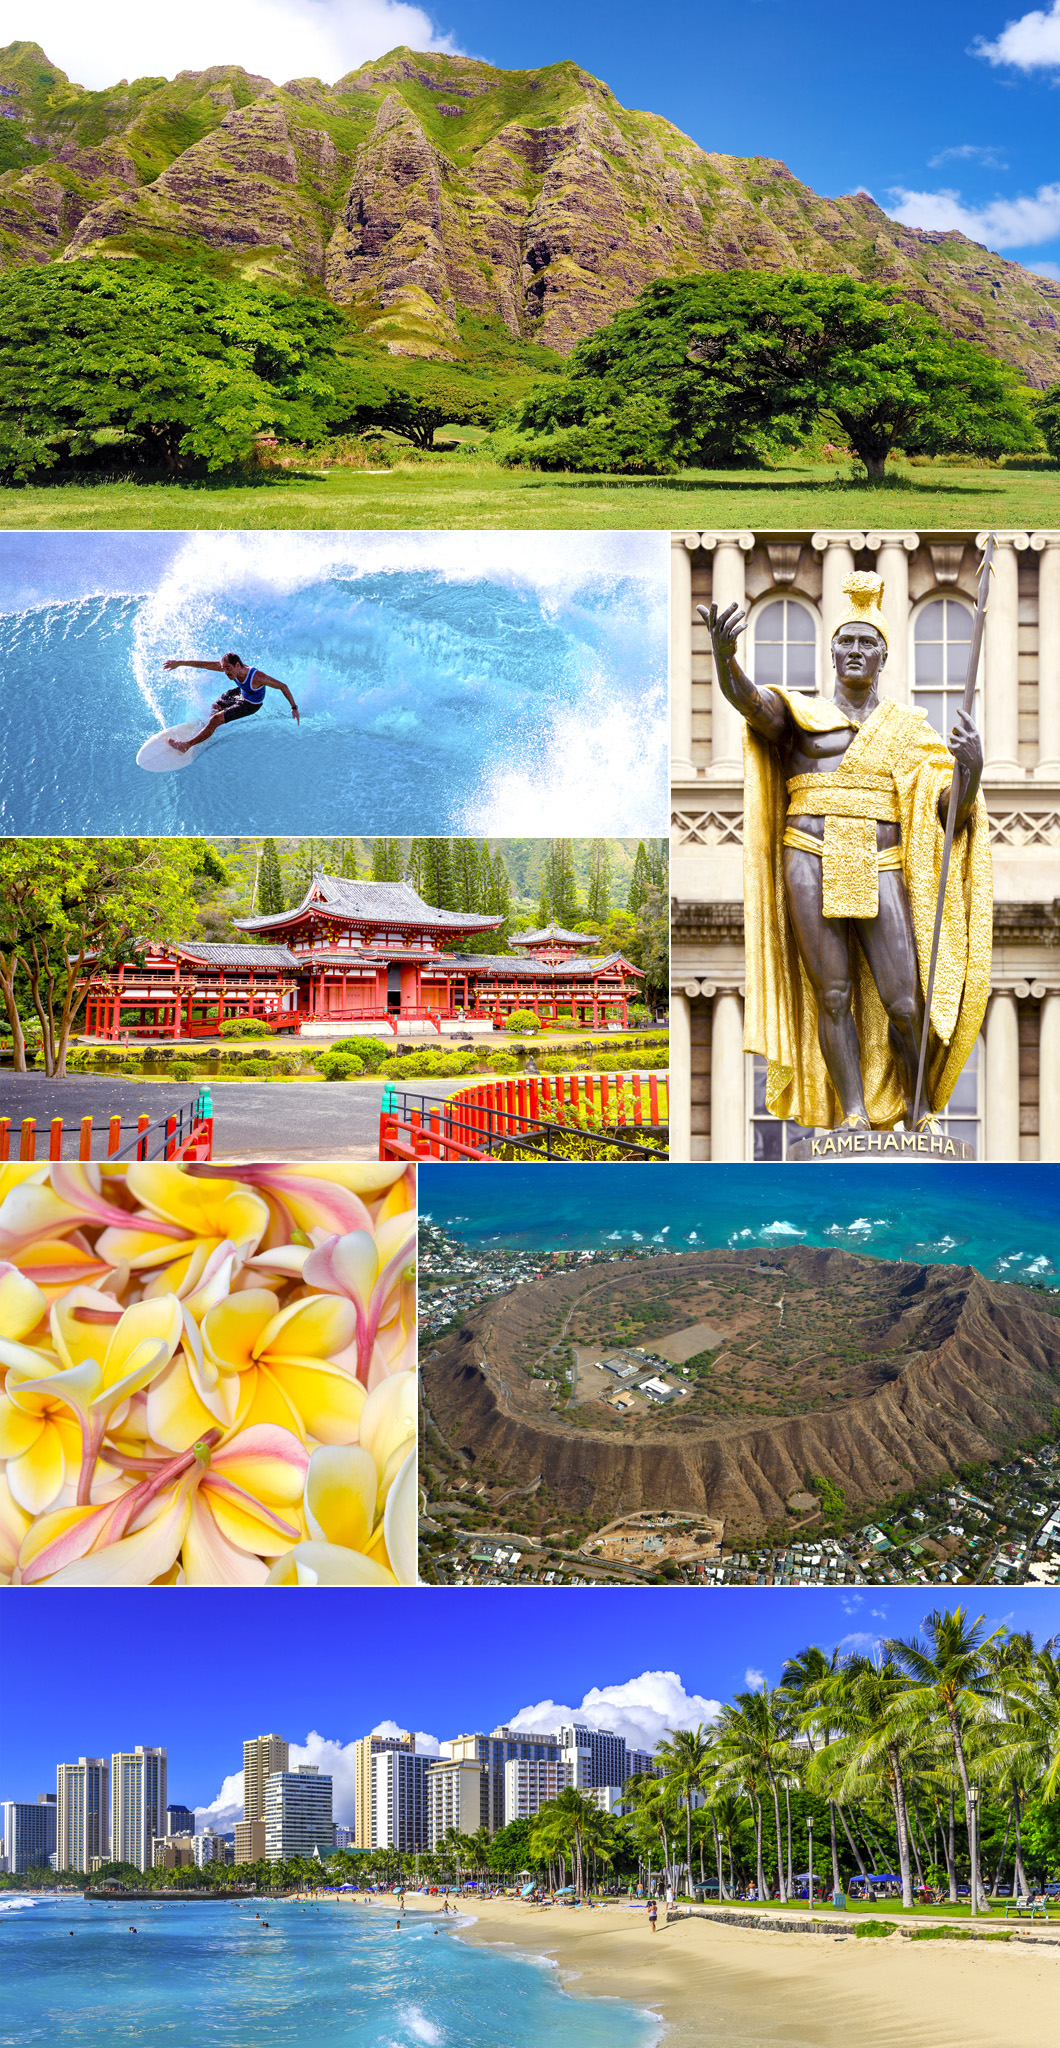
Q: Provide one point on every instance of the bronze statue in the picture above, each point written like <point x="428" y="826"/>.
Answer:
<point x="845" y="813"/>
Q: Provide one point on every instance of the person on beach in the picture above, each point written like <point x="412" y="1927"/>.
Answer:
<point x="653" y="1914"/>
<point x="246" y="696"/>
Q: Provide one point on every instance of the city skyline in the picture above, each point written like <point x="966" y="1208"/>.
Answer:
<point x="635" y="1660"/>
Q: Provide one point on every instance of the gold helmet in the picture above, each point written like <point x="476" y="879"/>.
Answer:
<point x="865" y="594"/>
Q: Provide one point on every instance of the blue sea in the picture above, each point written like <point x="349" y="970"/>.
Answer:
<point x="447" y="683"/>
<point x="337" y="1977"/>
<point x="1003" y="1220"/>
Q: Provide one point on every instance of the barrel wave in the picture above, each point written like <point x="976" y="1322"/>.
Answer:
<point x="479" y="688"/>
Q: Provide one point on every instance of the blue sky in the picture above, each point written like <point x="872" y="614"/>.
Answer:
<point x="950" y="105"/>
<point x="197" y="1672"/>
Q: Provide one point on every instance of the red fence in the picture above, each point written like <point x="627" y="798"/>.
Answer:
<point x="186" y="1134"/>
<point x="529" y="1111"/>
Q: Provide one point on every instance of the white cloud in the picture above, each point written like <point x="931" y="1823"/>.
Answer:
<point x="859" y="1642"/>
<point x="334" y="1759"/>
<point x="969" y="152"/>
<point x="282" y="39"/>
<point x="1043" y="269"/>
<point x="641" y="1709"/>
<point x="755" y="1679"/>
<point x="1031" y="43"/>
<point x="1001" y="224"/>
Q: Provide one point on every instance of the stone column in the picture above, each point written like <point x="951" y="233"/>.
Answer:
<point x="1047" y="547"/>
<point x="728" y="1136"/>
<point x="1000" y="669"/>
<point x="892" y="562"/>
<point x="1049" y="1079"/>
<point x="837" y="560"/>
<point x="681" y="1071"/>
<point x="681" y="769"/>
<point x="726" y="726"/>
<point x="1002" y="1090"/>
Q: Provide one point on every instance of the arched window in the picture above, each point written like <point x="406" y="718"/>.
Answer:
<point x="941" y="634"/>
<point x="784" y="645"/>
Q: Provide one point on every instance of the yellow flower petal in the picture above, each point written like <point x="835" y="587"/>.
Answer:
<point x="209" y="1559"/>
<point x="401" y="1524"/>
<point x="389" y="1416"/>
<point x="14" y="1525"/>
<point x="19" y="1427"/>
<point x="340" y="1494"/>
<point x="177" y="1416"/>
<point x="230" y="1331"/>
<point x="326" y="1564"/>
<point x="329" y="1402"/>
<point x="22" y="1305"/>
<point x="136" y="1560"/>
<point x="37" y="1476"/>
<point x="316" y="1328"/>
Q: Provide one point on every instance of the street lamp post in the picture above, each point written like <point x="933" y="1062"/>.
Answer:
<point x="973" y="1842"/>
<point x="809" y="1836"/>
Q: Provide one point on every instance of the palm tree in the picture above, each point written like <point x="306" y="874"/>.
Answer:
<point x="874" y="1741"/>
<point x="577" y="1823"/>
<point x="950" y="1677"/>
<point x="684" y="1756"/>
<point x="757" y="1749"/>
<point x="801" y="1680"/>
<point x="1029" y="1749"/>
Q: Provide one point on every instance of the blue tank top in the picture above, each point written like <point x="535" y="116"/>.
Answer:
<point x="247" y="691"/>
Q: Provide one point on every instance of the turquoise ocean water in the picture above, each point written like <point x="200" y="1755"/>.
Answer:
<point x="1004" y="1220"/>
<point x="337" y="1977"/>
<point x="453" y="684"/>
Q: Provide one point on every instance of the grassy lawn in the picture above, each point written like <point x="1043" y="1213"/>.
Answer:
<point x="886" y="1908"/>
<point x="464" y="493"/>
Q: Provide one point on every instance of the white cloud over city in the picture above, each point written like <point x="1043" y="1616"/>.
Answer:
<point x="1030" y="43"/>
<point x="1019" y="223"/>
<point x="97" y="46"/>
<point x="334" y="1759"/>
<point x="640" y="1709"/>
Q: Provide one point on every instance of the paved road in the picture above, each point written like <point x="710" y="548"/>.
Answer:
<point x="252" y="1119"/>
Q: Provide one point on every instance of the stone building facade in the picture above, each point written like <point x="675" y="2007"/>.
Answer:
<point x="1008" y="1099"/>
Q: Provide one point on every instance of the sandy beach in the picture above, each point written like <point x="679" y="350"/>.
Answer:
<point x="724" y="1987"/>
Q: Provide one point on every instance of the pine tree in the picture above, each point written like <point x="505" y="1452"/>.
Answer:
<point x="414" y="866"/>
<point x="467" y="874"/>
<point x="598" y="907"/>
<point x="387" y="864"/>
<point x="348" y="868"/>
<point x="562" y="882"/>
<point x="300" y="872"/>
<point x="640" y="881"/>
<point x="544" y="907"/>
<point x="270" y="882"/>
<point x="438" y="886"/>
<point x="659" y="863"/>
<point x="498" y="902"/>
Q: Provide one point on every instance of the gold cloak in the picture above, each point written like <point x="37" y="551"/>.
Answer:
<point x="780" y="1014"/>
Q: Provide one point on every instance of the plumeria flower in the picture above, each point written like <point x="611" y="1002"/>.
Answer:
<point x="360" y="1505"/>
<point x="369" y="1269"/>
<point x="14" y="1526"/>
<point x="55" y="1410"/>
<point x="285" y="1359"/>
<point x="183" y="1216"/>
<point x="216" y="1511"/>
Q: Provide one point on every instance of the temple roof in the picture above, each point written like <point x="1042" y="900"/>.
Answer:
<point x="531" y="970"/>
<point x="553" y="934"/>
<point x="237" y="956"/>
<point x="381" y="903"/>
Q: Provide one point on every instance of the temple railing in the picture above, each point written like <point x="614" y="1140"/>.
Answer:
<point x="541" y="1116"/>
<point x="187" y="1133"/>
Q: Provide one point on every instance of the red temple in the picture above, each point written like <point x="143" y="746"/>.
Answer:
<point x="366" y="954"/>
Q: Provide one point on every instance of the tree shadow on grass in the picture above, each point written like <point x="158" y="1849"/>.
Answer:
<point x="842" y="486"/>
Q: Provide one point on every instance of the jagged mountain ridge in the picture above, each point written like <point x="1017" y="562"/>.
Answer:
<point x="422" y="184"/>
<point x="987" y="1378"/>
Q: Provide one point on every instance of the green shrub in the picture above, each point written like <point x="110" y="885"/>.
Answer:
<point x="523" y="1020"/>
<point x="182" y="1070"/>
<point x="254" y="1027"/>
<point x="257" y="1069"/>
<point x="339" y="1066"/>
<point x="638" y="1013"/>
<point x="871" y="1928"/>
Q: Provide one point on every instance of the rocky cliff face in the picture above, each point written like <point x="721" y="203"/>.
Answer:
<point x="422" y="184"/>
<point x="987" y="1378"/>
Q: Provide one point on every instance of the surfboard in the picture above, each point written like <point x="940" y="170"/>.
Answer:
<point x="159" y="757"/>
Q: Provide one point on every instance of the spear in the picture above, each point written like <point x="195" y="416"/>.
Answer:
<point x="975" y="645"/>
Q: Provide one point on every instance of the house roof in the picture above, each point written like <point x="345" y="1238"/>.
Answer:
<point x="384" y="903"/>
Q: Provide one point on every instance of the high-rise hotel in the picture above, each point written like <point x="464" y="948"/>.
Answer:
<point x="137" y="1804"/>
<point x="83" y="1813"/>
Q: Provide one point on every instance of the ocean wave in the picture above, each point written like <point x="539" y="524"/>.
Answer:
<point x="416" y="2024"/>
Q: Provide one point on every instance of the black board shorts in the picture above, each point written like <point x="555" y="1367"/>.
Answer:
<point x="233" y="705"/>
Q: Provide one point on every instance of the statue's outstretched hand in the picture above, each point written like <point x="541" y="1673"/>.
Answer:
<point x="965" y="745"/>
<point x="724" y="628"/>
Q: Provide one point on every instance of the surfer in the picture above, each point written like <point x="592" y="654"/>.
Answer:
<point x="246" y="696"/>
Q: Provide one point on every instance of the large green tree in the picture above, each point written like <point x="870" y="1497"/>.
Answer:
<point x="188" y="367"/>
<point x="729" y="367"/>
<point x="68" y="906"/>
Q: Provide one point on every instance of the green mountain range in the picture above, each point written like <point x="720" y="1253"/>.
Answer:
<point x="424" y="192"/>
